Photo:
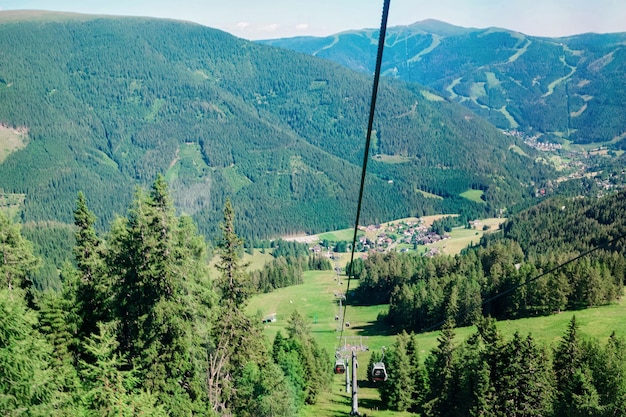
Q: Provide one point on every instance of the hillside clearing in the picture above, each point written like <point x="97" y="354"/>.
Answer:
<point x="11" y="140"/>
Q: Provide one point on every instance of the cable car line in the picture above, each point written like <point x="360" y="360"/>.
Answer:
<point x="368" y="140"/>
<point x="379" y="59"/>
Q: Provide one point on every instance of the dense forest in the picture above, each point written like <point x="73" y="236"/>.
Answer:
<point x="141" y="328"/>
<point x="423" y="292"/>
<point x="489" y="376"/>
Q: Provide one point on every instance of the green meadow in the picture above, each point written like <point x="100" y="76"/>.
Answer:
<point x="315" y="299"/>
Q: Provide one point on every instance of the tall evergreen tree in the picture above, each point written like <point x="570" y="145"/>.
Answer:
<point x="93" y="291"/>
<point x="26" y="383"/>
<point x="150" y="263"/>
<point x="576" y="393"/>
<point x="236" y="339"/>
<point x="440" y="400"/>
<point x="17" y="261"/>
<point x="110" y="390"/>
<point x="234" y="284"/>
<point x="397" y="391"/>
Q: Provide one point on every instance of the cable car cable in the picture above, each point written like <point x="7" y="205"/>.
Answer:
<point x="379" y="59"/>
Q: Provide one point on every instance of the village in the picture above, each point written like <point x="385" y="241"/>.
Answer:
<point x="402" y="236"/>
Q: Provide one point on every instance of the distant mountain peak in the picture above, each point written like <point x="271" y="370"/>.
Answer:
<point x="439" y="27"/>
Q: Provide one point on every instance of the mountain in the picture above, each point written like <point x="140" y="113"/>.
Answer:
<point x="104" y="104"/>
<point x="572" y="88"/>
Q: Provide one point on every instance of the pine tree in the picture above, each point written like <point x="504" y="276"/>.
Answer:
<point x="522" y="379"/>
<point x="59" y="328"/>
<point x="17" y="261"/>
<point x="150" y="259"/>
<point x="93" y="292"/>
<point x="440" y="400"/>
<point x="233" y="282"/>
<point x="236" y="340"/>
<point x="397" y="391"/>
<point x="26" y="383"/>
<point x="417" y="374"/>
<point x="109" y="389"/>
<point x="576" y="393"/>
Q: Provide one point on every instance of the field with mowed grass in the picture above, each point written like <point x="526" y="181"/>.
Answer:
<point x="315" y="300"/>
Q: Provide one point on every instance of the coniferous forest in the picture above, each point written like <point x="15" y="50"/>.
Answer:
<point x="140" y="328"/>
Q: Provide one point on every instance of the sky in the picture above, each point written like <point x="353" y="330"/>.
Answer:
<point x="268" y="19"/>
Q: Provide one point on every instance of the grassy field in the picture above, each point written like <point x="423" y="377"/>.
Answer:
<point x="474" y="195"/>
<point x="10" y="204"/>
<point x="336" y="236"/>
<point x="11" y="140"/>
<point x="316" y="301"/>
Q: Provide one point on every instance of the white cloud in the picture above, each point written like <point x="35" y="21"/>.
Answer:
<point x="272" y="27"/>
<point x="242" y="25"/>
<point x="302" y="26"/>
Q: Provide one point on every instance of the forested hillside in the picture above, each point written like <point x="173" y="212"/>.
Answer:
<point x="104" y="104"/>
<point x="569" y="87"/>
<point x="505" y="276"/>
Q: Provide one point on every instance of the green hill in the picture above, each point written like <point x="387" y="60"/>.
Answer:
<point x="106" y="103"/>
<point x="569" y="87"/>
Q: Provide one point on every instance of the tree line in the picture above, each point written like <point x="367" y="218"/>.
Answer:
<point x="423" y="292"/>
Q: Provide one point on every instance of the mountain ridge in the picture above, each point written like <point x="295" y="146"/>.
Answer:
<point x="557" y="87"/>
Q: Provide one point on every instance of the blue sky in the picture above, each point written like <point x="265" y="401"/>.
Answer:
<point x="262" y="19"/>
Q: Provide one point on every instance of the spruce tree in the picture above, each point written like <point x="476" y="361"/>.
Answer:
<point x="93" y="291"/>
<point x="17" y="262"/>
<point x="150" y="261"/>
<point x="110" y="389"/>
<point x="397" y="391"/>
<point x="576" y="393"/>
<point x="26" y="380"/>
<point x="236" y="339"/>
<point x="440" y="400"/>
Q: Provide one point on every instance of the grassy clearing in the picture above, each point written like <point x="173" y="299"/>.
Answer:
<point x="518" y="150"/>
<point x="10" y="204"/>
<point x="391" y="159"/>
<point x="188" y="157"/>
<point x="460" y="237"/>
<point x="336" y="236"/>
<point x="11" y="140"/>
<point x="429" y="195"/>
<point x="235" y="179"/>
<point x="473" y="195"/>
<point x="431" y="97"/>
<point x="512" y="122"/>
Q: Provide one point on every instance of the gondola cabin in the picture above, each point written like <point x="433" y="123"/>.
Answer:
<point x="379" y="373"/>
<point x="340" y="366"/>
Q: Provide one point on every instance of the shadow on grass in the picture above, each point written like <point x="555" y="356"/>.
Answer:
<point x="375" y="328"/>
<point x="370" y="404"/>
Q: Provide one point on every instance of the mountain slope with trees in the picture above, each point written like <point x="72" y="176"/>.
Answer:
<point x="571" y="87"/>
<point x="108" y="103"/>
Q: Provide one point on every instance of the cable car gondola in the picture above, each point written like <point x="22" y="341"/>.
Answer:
<point x="340" y="366"/>
<point x="379" y="373"/>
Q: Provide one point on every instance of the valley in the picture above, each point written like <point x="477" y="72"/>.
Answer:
<point x="176" y="208"/>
